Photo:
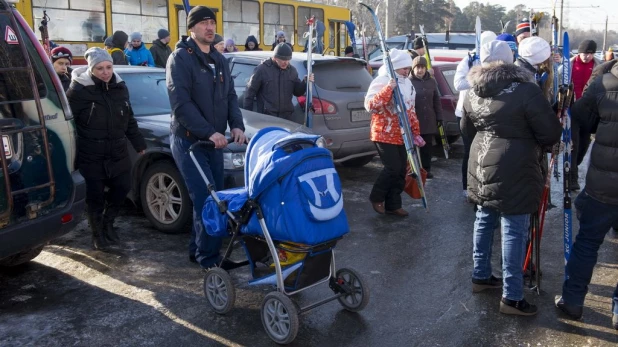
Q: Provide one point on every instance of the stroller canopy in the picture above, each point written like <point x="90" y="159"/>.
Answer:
<point x="267" y="158"/>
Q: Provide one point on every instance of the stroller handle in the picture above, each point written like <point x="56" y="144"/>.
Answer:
<point x="207" y="144"/>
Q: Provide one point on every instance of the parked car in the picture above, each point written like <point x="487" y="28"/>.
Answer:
<point x="157" y="184"/>
<point x="338" y="99"/>
<point x="437" y="55"/>
<point x="42" y="195"/>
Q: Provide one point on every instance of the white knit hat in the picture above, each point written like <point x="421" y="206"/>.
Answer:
<point x="487" y="36"/>
<point x="400" y="58"/>
<point x="534" y="50"/>
<point x="496" y="51"/>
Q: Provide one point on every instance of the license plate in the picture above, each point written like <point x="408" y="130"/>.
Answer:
<point x="360" y="116"/>
<point x="8" y="151"/>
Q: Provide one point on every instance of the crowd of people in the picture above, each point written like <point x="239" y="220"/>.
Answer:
<point x="508" y="126"/>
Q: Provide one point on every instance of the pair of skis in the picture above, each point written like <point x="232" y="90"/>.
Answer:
<point x="309" y="92"/>
<point x="404" y="122"/>
<point x="564" y="99"/>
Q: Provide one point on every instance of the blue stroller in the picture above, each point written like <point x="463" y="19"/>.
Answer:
<point x="288" y="218"/>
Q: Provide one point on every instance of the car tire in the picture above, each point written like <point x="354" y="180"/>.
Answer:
<point x="163" y="191"/>
<point x="21" y="257"/>
<point x="358" y="162"/>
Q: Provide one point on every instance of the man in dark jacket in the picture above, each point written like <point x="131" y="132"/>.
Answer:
<point x="510" y="121"/>
<point x="204" y="103"/>
<point x="120" y="40"/>
<point x="418" y="48"/>
<point x="597" y="204"/>
<point x="273" y="83"/>
<point x="104" y="118"/>
<point x="160" y="48"/>
<point x="428" y="108"/>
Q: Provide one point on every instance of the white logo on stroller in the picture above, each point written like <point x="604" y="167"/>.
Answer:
<point x="320" y="196"/>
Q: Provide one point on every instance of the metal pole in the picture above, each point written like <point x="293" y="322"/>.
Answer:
<point x="561" y="21"/>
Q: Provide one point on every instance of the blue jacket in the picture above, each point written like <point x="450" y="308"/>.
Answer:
<point x="139" y="56"/>
<point x="203" y="99"/>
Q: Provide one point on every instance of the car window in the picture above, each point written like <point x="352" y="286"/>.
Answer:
<point x="342" y="76"/>
<point x="148" y="93"/>
<point x="449" y="76"/>
<point x="241" y="73"/>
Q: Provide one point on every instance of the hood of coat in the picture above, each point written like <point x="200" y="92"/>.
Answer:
<point x="158" y="43"/>
<point x="83" y="76"/>
<point x="489" y="80"/>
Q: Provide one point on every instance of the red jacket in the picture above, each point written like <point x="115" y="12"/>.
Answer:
<point x="385" y="123"/>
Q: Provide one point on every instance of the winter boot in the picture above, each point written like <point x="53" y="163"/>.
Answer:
<point x="98" y="238"/>
<point x="521" y="307"/>
<point x="110" y="214"/>
<point x="492" y="282"/>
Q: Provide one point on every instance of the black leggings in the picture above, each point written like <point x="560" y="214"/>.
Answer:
<point x="391" y="181"/>
<point x="464" y="165"/>
<point x="426" y="151"/>
<point x="119" y="187"/>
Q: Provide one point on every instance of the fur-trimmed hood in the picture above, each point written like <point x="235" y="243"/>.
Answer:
<point x="489" y="80"/>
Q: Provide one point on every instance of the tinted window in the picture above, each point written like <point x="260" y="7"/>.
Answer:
<point x="449" y="76"/>
<point x="342" y="76"/>
<point x="148" y="93"/>
<point x="241" y="73"/>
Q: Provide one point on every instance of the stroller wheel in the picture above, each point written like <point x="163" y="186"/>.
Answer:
<point x="358" y="297"/>
<point x="219" y="290"/>
<point x="280" y="317"/>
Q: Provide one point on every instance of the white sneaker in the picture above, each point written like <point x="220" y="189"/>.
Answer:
<point x="465" y="193"/>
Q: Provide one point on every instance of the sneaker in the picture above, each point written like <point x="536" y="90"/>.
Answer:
<point x="429" y="175"/>
<point x="574" y="185"/>
<point x="192" y="258"/>
<point x="489" y="283"/>
<point x="615" y="320"/>
<point x="521" y="307"/>
<point x="574" y="312"/>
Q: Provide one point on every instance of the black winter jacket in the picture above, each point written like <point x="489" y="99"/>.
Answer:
<point x="160" y="52"/>
<point x="510" y="121"/>
<point x="427" y="105"/>
<point x="104" y="120"/>
<point x="65" y="79"/>
<point x="203" y="98"/>
<point x="274" y="89"/>
<point x="599" y="105"/>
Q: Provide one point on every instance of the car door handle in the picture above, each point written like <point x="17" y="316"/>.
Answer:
<point x="11" y="123"/>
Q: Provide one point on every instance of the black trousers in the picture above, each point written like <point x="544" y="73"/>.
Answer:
<point x="581" y="142"/>
<point x="392" y="179"/>
<point x="426" y="151"/>
<point x="96" y="198"/>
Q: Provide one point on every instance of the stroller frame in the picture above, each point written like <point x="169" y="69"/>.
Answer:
<point x="343" y="286"/>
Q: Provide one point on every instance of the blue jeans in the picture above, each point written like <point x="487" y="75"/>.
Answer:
<point x="514" y="234"/>
<point x="595" y="220"/>
<point x="203" y="246"/>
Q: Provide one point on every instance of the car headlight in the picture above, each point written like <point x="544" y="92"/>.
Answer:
<point x="320" y="142"/>
<point x="232" y="161"/>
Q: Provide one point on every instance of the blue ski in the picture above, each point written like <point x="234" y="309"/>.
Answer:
<point x="404" y="123"/>
<point x="566" y="88"/>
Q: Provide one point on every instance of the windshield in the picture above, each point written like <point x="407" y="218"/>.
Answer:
<point x="148" y="93"/>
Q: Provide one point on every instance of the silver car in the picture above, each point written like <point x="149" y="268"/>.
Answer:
<point x="340" y="84"/>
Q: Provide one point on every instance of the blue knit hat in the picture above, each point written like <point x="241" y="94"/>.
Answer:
<point x="509" y="39"/>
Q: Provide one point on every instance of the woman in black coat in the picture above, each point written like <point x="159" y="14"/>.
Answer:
<point x="100" y="103"/>
<point x="510" y="121"/>
<point x="428" y="108"/>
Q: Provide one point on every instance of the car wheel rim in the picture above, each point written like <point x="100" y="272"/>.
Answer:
<point x="164" y="198"/>
<point x="277" y="319"/>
